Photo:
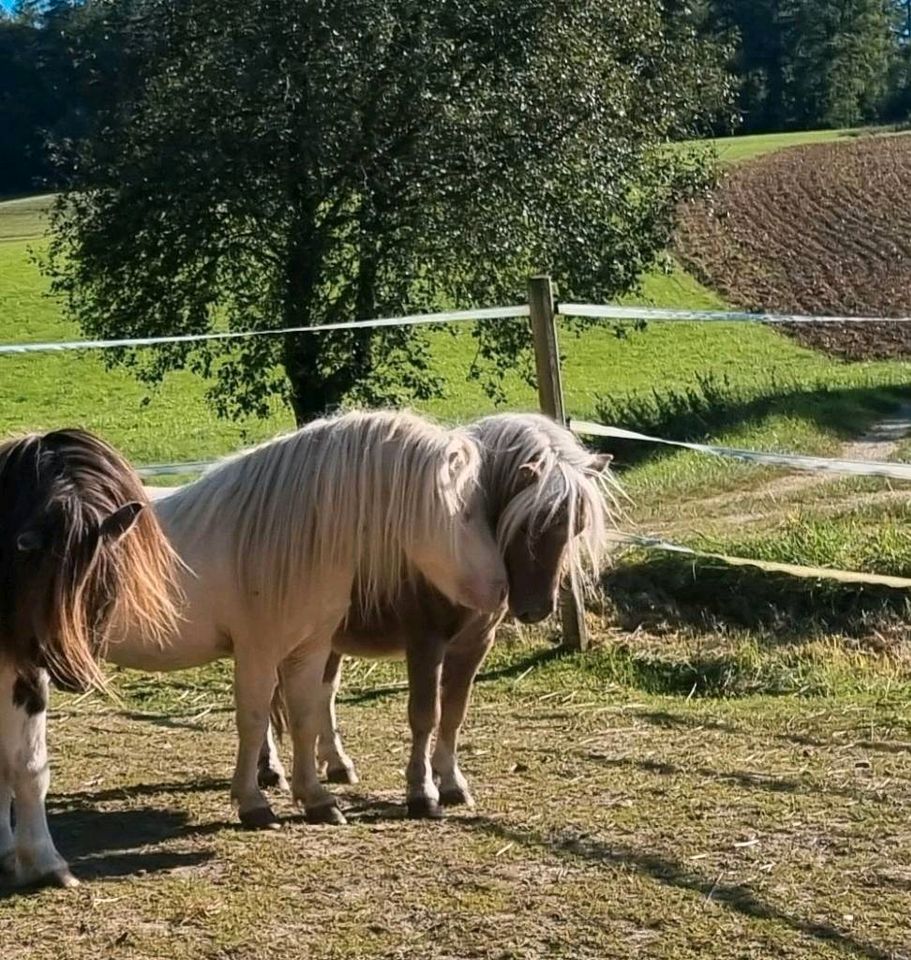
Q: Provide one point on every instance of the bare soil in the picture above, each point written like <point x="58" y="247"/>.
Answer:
<point x="820" y="229"/>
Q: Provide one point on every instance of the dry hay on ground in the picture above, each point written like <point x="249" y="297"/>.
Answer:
<point x="822" y="229"/>
<point x="609" y="825"/>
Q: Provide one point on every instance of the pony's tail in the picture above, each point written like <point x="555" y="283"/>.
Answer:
<point x="279" y="712"/>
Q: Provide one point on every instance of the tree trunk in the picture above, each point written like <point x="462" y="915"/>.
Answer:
<point x="309" y="392"/>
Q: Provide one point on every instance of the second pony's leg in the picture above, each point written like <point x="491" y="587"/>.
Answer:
<point x="302" y="677"/>
<point x="425" y="660"/>
<point x="254" y="684"/>
<point x="23" y="759"/>
<point x="464" y="657"/>
<point x="339" y="766"/>
<point x="271" y="772"/>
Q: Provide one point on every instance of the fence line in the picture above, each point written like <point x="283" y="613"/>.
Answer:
<point x="594" y="311"/>
<point x="604" y="312"/>
<point x="418" y="319"/>
<point x="544" y="335"/>
<point x="852" y="468"/>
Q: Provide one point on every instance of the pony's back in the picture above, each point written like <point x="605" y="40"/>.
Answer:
<point x="344" y="493"/>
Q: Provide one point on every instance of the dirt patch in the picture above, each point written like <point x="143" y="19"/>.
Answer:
<point x="821" y="229"/>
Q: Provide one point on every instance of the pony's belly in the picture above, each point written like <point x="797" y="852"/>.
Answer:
<point x="189" y="649"/>
<point x="369" y="646"/>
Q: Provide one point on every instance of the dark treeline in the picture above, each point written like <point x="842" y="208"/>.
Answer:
<point x="804" y="64"/>
<point x="795" y="64"/>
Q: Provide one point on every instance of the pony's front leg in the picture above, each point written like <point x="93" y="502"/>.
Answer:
<point x="339" y="766"/>
<point x="254" y="684"/>
<point x="462" y="662"/>
<point x="9" y="746"/>
<point x="302" y="676"/>
<point x="425" y="660"/>
<point x="7" y="843"/>
<point x="23" y="759"/>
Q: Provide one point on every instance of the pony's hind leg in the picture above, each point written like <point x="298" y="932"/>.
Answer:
<point x="253" y="689"/>
<point x="425" y="659"/>
<point x="26" y="776"/>
<point x="271" y="772"/>
<point x="302" y="674"/>
<point x="339" y="766"/>
<point x="463" y="660"/>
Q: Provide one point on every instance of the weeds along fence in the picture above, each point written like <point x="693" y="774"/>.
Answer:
<point x="542" y="312"/>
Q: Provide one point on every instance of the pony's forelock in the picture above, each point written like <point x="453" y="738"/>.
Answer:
<point x="91" y="586"/>
<point x="534" y="470"/>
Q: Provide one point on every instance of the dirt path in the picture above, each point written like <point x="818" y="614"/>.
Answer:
<point x="757" y="503"/>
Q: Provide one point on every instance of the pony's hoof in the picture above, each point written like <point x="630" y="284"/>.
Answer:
<point x="273" y="780"/>
<point x="259" y="818"/>
<point x="327" y="813"/>
<point x="60" y="878"/>
<point x="424" y="808"/>
<point x="345" y="775"/>
<point x="456" y="797"/>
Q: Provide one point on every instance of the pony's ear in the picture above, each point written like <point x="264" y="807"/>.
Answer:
<point x="29" y="541"/>
<point x="458" y="457"/>
<point x="531" y="471"/>
<point x="118" y="524"/>
<point x="601" y="461"/>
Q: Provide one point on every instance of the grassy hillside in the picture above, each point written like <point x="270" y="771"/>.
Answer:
<point x="174" y="423"/>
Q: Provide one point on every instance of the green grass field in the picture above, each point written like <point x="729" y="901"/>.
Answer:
<point x="741" y="148"/>
<point x="173" y="423"/>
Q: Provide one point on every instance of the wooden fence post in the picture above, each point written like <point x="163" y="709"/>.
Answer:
<point x="550" y="398"/>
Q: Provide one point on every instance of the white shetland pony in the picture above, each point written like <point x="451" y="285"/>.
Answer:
<point x="275" y="541"/>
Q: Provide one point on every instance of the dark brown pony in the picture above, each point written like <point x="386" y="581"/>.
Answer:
<point x="79" y="554"/>
<point x="550" y="504"/>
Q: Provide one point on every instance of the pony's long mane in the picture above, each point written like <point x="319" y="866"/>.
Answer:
<point x="344" y="493"/>
<point x="65" y="484"/>
<point x="533" y="471"/>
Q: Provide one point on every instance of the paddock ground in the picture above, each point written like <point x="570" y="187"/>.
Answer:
<point x="610" y="823"/>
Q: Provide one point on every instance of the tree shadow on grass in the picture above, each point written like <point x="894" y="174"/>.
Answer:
<point x="692" y="593"/>
<point x="737" y="898"/>
<point x="713" y="405"/>
<point x="748" y="779"/>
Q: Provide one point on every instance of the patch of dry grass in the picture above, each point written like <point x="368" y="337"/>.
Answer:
<point x="610" y="823"/>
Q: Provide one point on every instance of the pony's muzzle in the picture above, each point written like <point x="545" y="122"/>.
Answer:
<point x="533" y="613"/>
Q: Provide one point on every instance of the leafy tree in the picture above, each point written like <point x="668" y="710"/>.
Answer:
<point x="280" y="162"/>
<point x="43" y="47"/>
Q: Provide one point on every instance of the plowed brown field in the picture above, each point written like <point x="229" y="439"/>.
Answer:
<point x="823" y="229"/>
